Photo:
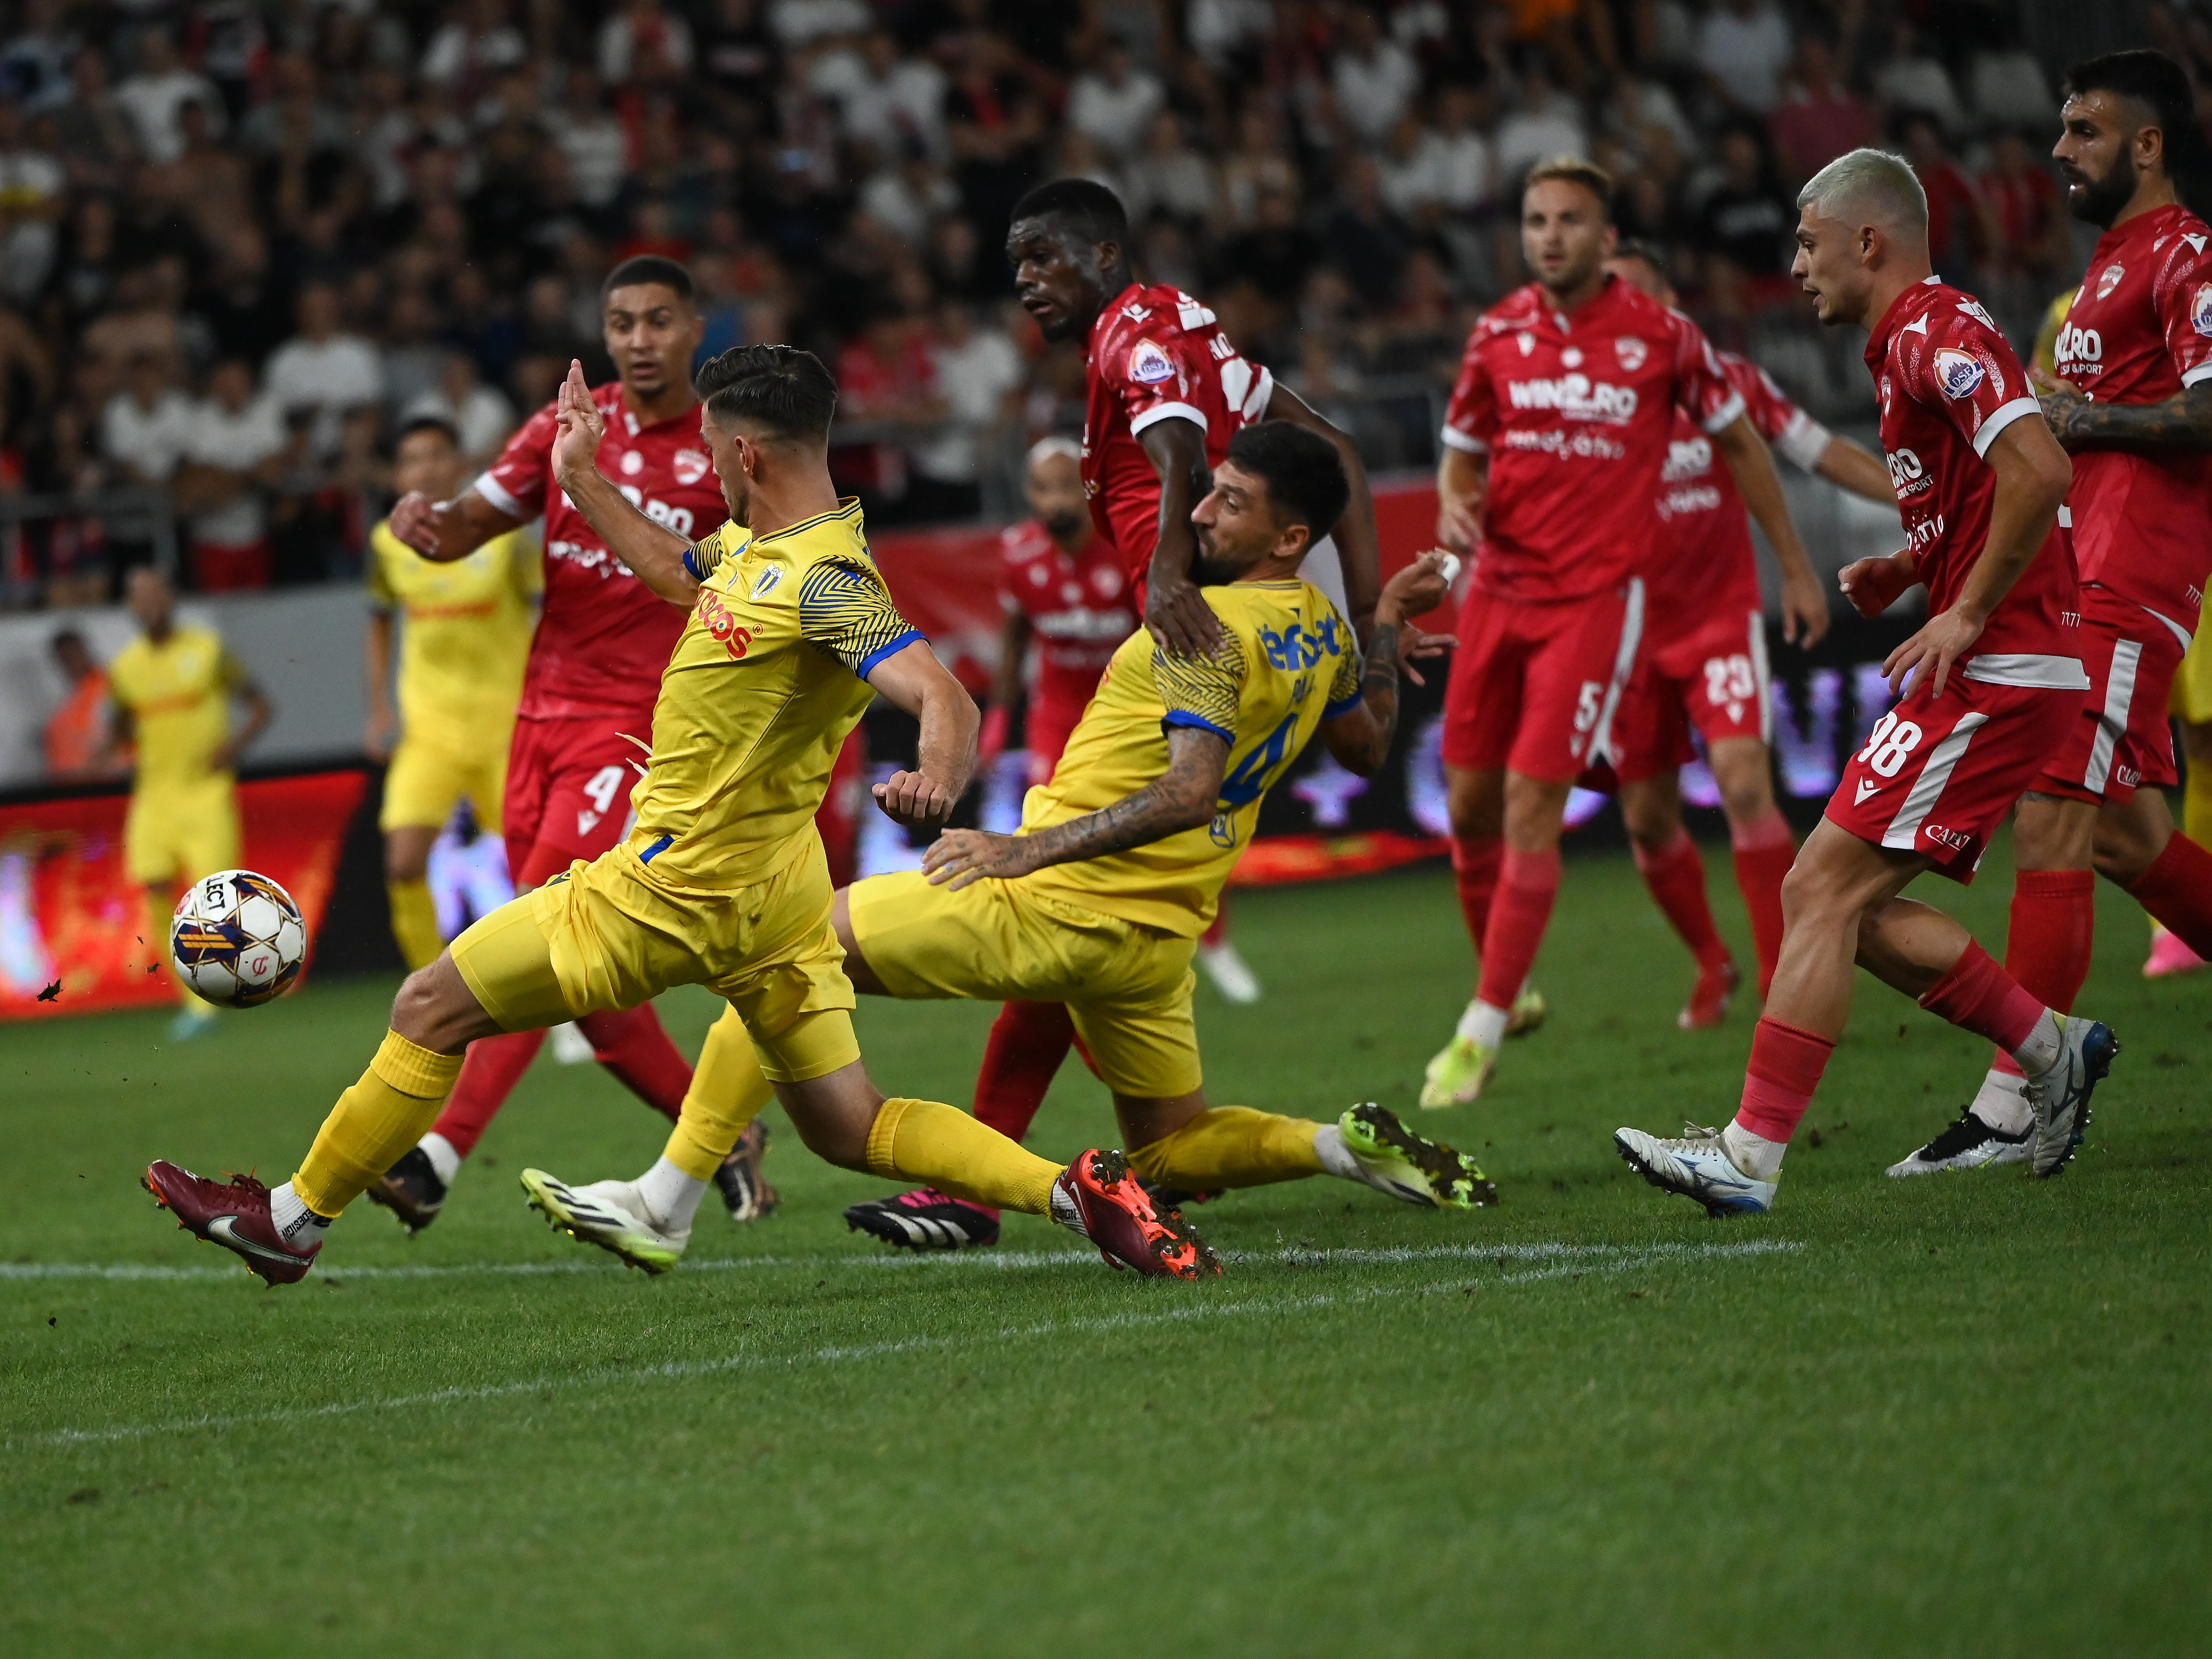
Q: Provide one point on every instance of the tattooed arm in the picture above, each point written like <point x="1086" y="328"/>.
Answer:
<point x="1359" y="738"/>
<point x="1182" y="798"/>
<point x="2179" y="422"/>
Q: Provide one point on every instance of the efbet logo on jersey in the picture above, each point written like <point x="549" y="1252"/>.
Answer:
<point x="1149" y="365"/>
<point x="1296" y="647"/>
<point x="2200" y="310"/>
<point x="1958" y="372"/>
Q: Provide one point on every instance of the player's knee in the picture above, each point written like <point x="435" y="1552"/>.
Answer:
<point x="2125" y="846"/>
<point x="1475" y="803"/>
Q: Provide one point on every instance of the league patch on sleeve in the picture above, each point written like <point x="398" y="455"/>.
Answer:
<point x="1149" y="365"/>
<point x="1959" y="374"/>
<point x="2200" y="310"/>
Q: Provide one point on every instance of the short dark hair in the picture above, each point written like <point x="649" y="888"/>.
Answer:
<point x="648" y="268"/>
<point x="2149" y="79"/>
<point x="1305" y="475"/>
<point x="416" y="423"/>
<point x="1635" y="247"/>
<point x="780" y="387"/>
<point x="1083" y="205"/>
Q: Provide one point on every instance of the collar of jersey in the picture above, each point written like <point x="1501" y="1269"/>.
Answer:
<point x="2158" y="220"/>
<point x="1902" y="310"/>
<point x="847" y="507"/>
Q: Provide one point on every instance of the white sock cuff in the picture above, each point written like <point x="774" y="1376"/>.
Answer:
<point x="444" y="1160"/>
<point x="671" y="1197"/>
<point x="1336" y="1157"/>
<point x="1483" y="1024"/>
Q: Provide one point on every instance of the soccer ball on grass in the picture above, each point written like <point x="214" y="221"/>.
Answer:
<point x="237" y="939"/>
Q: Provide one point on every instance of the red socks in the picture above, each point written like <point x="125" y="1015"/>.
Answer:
<point x="494" y="1066"/>
<point x="1474" y="872"/>
<point x="629" y="1043"/>
<point x="1526" y="885"/>
<point x="1764" y="850"/>
<point x="1676" y="876"/>
<point x="1978" y="996"/>
<point x="1029" y="1040"/>
<point x="2177" y="890"/>
<point x="1785" y="1068"/>
<point x="2054" y="923"/>
<point x="1218" y="929"/>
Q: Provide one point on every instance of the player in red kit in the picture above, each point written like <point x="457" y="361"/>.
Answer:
<point x="1991" y="686"/>
<point x="2133" y="403"/>
<point x="1167" y="391"/>
<point x="1554" y="444"/>
<point x="1703" y="666"/>
<point x="595" y="663"/>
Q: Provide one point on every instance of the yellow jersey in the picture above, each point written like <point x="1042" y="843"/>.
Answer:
<point x="2045" y="356"/>
<point x="1288" y="661"/>
<point x="467" y="634"/>
<point x="766" y="680"/>
<point x="178" y="696"/>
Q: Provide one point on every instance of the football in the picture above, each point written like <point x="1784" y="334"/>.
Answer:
<point x="237" y="939"/>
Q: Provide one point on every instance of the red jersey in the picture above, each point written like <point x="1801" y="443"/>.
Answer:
<point x="603" y="636"/>
<point x="1948" y="385"/>
<point x="2139" y="332"/>
<point x="1575" y="414"/>
<point x="1154" y="353"/>
<point x="1080" y="606"/>
<point x="1702" y="563"/>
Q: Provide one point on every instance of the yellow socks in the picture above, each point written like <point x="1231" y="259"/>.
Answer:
<point x="397" y="1098"/>
<point x="1230" y="1146"/>
<point x="937" y="1146"/>
<point x="415" y="922"/>
<point x="727" y="1091"/>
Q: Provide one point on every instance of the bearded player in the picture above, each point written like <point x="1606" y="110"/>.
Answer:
<point x="1991" y="686"/>
<point x="587" y="694"/>
<point x="1553" y="447"/>
<point x="1703" y="667"/>
<point x="2132" y="402"/>
<point x="1098" y="901"/>
<point x="1167" y="391"/>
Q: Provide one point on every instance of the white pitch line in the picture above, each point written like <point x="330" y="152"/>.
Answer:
<point x="1565" y="1261"/>
<point x="1003" y="1260"/>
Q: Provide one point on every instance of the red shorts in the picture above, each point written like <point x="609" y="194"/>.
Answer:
<point x="1534" y="688"/>
<point x="1047" y="728"/>
<point x="1712" y="677"/>
<point x="568" y="784"/>
<point x="1937" y="774"/>
<point x="2131" y="657"/>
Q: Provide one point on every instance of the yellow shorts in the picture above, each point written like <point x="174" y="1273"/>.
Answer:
<point x="179" y="832"/>
<point x="2191" y="700"/>
<point x="426" y="778"/>
<point x="1128" y="987"/>
<point x="605" y="935"/>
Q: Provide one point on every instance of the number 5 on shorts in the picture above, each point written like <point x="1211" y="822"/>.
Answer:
<point x="1586" y="705"/>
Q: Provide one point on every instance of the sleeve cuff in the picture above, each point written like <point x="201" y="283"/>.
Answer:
<point x="1159" y="412"/>
<point x="889" y="648"/>
<point x="1337" y="710"/>
<point x="490" y="489"/>
<point x="692" y="565"/>
<point x="1197" y="722"/>
<point x="2001" y="417"/>
<point x="1456" y="439"/>
<point x="1724" y="417"/>
<point x="2198" y="376"/>
<point x="1262" y="394"/>
<point x="1803" y="441"/>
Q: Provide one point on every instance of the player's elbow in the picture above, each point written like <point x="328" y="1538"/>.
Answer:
<point x="1355" y="744"/>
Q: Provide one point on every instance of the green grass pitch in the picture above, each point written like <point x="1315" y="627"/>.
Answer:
<point x="1957" y="1415"/>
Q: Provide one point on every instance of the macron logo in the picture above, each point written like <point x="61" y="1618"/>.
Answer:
<point x="1867" y="786"/>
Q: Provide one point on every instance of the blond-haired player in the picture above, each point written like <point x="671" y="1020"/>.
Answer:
<point x="173" y="687"/>
<point x="722" y="881"/>
<point x="461" y="655"/>
<point x="1099" y="902"/>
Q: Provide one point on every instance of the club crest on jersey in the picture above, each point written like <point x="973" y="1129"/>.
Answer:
<point x="1631" y="351"/>
<point x="2200" y="310"/>
<point x="2109" y="278"/>
<point x="689" y="466"/>
<point x="1958" y="374"/>
<point x="765" y="583"/>
<point x="1149" y="365"/>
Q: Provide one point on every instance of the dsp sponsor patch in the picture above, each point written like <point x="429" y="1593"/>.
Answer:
<point x="1960" y="374"/>
<point x="1149" y="365"/>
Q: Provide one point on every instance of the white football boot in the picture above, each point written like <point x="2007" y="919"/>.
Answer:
<point x="1697" y="1165"/>
<point x="610" y="1214"/>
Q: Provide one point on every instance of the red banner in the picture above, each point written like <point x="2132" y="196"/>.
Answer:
<point x="69" y="916"/>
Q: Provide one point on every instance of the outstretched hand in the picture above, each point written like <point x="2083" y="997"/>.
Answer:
<point x="415" y="521"/>
<point x="578" y="426"/>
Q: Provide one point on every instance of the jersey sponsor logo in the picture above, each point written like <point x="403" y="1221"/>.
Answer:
<point x="765" y="583"/>
<point x="1925" y="533"/>
<point x="1691" y="498"/>
<point x="1957" y="839"/>
<point x="2200" y="310"/>
<point x="1575" y="396"/>
<point x="689" y="465"/>
<point x="1631" y="352"/>
<point x="1149" y="365"/>
<point x="1583" y="445"/>
<point x="677" y="519"/>
<point x="714" y="616"/>
<point x="1959" y="374"/>
<point x="1299" y="647"/>
<point x="1906" y="471"/>
<point x="2109" y="278"/>
<point x="2084" y="345"/>
<point x="1686" y="457"/>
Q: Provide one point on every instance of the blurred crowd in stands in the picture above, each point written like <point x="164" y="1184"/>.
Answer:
<point x="242" y="240"/>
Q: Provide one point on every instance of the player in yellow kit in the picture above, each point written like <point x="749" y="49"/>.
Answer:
<point x="467" y="635"/>
<point x="1099" y="901"/>
<point x="172" y="689"/>
<point x="723" y="881"/>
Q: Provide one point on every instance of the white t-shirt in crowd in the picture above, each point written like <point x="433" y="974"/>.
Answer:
<point x="237" y="442"/>
<point x="150" y="441"/>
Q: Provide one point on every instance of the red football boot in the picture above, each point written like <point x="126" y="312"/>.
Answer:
<point x="1119" y="1218"/>
<point x="235" y="1217"/>
<point x="1709" y="998"/>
